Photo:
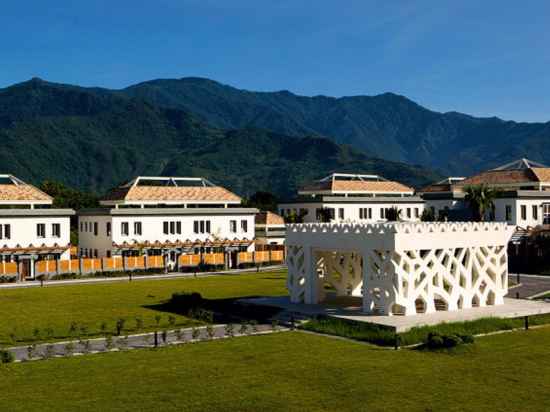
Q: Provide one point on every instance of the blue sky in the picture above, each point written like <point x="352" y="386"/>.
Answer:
<point x="484" y="58"/>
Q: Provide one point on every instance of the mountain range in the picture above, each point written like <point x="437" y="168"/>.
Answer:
<point x="96" y="138"/>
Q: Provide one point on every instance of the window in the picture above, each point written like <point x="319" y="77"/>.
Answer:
<point x="165" y="229"/>
<point x="201" y="225"/>
<point x="233" y="226"/>
<point x="369" y="215"/>
<point x="535" y="209"/>
<point x="546" y="214"/>
<point x="416" y="212"/>
<point x="137" y="228"/>
<point x="172" y="228"/>
<point x="508" y="212"/>
<point x="244" y="226"/>
<point x="7" y="231"/>
<point x="382" y="213"/>
<point x="85" y="226"/>
<point x="95" y="253"/>
<point x="178" y="228"/>
<point x="82" y="226"/>
<point x="108" y="253"/>
<point x="341" y="213"/>
<point x="208" y="226"/>
<point x="196" y="226"/>
<point x="108" y="228"/>
<point x="1" y="232"/>
<point x="523" y="212"/>
<point x="96" y="230"/>
<point x="361" y="213"/>
<point x="409" y="215"/>
<point x="56" y="230"/>
<point x="124" y="229"/>
<point x="41" y="230"/>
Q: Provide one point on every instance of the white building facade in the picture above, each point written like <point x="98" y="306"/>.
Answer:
<point x="523" y="197"/>
<point x="270" y="229"/>
<point x="350" y="197"/>
<point x="30" y="230"/>
<point x="166" y="216"/>
<point x="400" y="268"/>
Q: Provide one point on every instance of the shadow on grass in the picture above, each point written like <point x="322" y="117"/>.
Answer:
<point x="230" y="310"/>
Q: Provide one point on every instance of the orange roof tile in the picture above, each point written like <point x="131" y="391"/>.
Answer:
<point x="542" y="174"/>
<point x="494" y="177"/>
<point x="173" y="194"/>
<point x="22" y="192"/>
<point x="358" y="186"/>
<point x="269" y="218"/>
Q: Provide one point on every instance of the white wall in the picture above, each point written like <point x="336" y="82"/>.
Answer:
<point x="351" y="211"/>
<point x="152" y="229"/>
<point x="516" y="218"/>
<point x="23" y="232"/>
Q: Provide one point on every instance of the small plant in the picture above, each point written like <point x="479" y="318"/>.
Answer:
<point x="103" y="327"/>
<point x="157" y="320"/>
<point x="179" y="334"/>
<point x="164" y="336"/>
<point x="172" y="321"/>
<point x="36" y="334"/>
<point x="243" y="330"/>
<point x="439" y="341"/>
<point x="31" y="351"/>
<point x="229" y="330"/>
<point x="49" y="352"/>
<point x="83" y="330"/>
<point x="69" y="349"/>
<point x="6" y="356"/>
<point x="210" y="331"/>
<point x="73" y="328"/>
<point x="254" y="325"/>
<point x="120" y="325"/>
<point x="195" y="333"/>
<point x="122" y="343"/>
<point x="109" y="342"/>
<point x="49" y="333"/>
<point x="139" y="323"/>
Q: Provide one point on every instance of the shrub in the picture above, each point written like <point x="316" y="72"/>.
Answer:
<point x="108" y="342"/>
<point x="31" y="351"/>
<point x="120" y="325"/>
<point x="229" y="330"/>
<point x="139" y="323"/>
<point x="6" y="356"/>
<point x="69" y="349"/>
<point x="49" y="352"/>
<point x="8" y="279"/>
<point x="243" y="329"/>
<point x="157" y="319"/>
<point x="437" y="341"/>
<point x="210" y="331"/>
<point x="195" y="333"/>
<point x="186" y="302"/>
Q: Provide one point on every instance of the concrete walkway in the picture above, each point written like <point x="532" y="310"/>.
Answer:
<point x="531" y="286"/>
<point x="160" y="276"/>
<point x="143" y="340"/>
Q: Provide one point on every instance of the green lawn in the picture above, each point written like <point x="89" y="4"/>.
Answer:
<point x="290" y="371"/>
<point x="55" y="307"/>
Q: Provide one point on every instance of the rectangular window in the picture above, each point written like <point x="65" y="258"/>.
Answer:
<point x="382" y="213"/>
<point x="201" y="225"/>
<point x="85" y="226"/>
<point x="244" y="226"/>
<point x="1" y="232"/>
<point x="96" y="230"/>
<point x="361" y="214"/>
<point x="416" y="212"/>
<point x="137" y="228"/>
<point x="409" y="215"/>
<point x="208" y="226"/>
<point x="535" y="212"/>
<point x="124" y="228"/>
<point x="341" y="213"/>
<point x="56" y="230"/>
<point x="233" y="226"/>
<point x="196" y="226"/>
<point x="7" y="231"/>
<point x="108" y="228"/>
<point x="41" y="230"/>
<point x="508" y="211"/>
<point x="172" y="228"/>
<point x="165" y="229"/>
<point x="82" y="226"/>
<point x="523" y="212"/>
<point x="178" y="228"/>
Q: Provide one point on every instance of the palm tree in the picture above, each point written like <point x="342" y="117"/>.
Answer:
<point x="393" y="214"/>
<point x="481" y="199"/>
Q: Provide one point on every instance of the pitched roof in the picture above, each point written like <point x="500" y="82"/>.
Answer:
<point x="133" y="192"/>
<point x="269" y="218"/>
<point x="15" y="190"/>
<point x="542" y="174"/>
<point x="355" y="183"/>
<point x="495" y="177"/>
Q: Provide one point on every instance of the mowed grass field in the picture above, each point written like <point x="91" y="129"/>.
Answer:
<point x="56" y="307"/>
<point x="290" y="371"/>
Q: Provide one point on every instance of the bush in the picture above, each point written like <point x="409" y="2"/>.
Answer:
<point x="8" y="279"/>
<point x="6" y="356"/>
<point x="187" y="301"/>
<point x="438" y="341"/>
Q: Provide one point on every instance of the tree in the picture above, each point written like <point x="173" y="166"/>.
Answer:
<point x="262" y="200"/>
<point x="481" y="199"/>
<point x="325" y="214"/>
<point x="393" y="214"/>
<point x="427" y="215"/>
<point x="294" y="217"/>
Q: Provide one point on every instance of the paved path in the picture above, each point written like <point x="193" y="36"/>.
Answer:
<point x="531" y="286"/>
<point x="174" y="275"/>
<point x="143" y="340"/>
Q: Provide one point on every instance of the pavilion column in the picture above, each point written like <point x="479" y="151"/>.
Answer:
<point x="312" y="291"/>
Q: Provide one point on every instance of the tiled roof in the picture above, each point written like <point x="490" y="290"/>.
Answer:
<point x="495" y="177"/>
<point x="22" y="192"/>
<point x="542" y="174"/>
<point x="436" y="188"/>
<point x="172" y="193"/>
<point x="358" y="186"/>
<point x="269" y="218"/>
